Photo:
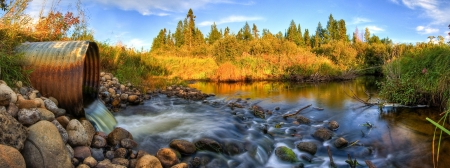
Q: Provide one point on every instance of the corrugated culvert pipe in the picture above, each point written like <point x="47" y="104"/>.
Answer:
<point x="69" y="71"/>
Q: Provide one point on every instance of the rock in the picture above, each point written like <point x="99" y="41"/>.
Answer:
<point x="128" y="143"/>
<point x="90" y="130"/>
<point x="81" y="152"/>
<point x="124" y="97"/>
<point x="44" y="147"/>
<point x="303" y="120"/>
<point x="183" y="146"/>
<point x="51" y="106"/>
<point x="23" y="90"/>
<point x="323" y="134"/>
<point x="180" y="165"/>
<point x="233" y="148"/>
<point x="120" y="161"/>
<point x="148" y="161"/>
<point x="7" y="95"/>
<point x="117" y="135"/>
<point x="77" y="133"/>
<point x="109" y="155"/>
<point x="285" y="154"/>
<point x="2" y="109"/>
<point x="308" y="147"/>
<point x="83" y="166"/>
<point x="70" y="151"/>
<point x="98" y="141"/>
<point x="107" y="77"/>
<point x="54" y="100"/>
<point x="63" y="120"/>
<point x="33" y="95"/>
<point x="208" y="144"/>
<point x="90" y="161"/>
<point x="120" y="153"/>
<point x="75" y="162"/>
<point x="195" y="162"/>
<point x="22" y="103"/>
<point x="46" y="115"/>
<point x="11" y="157"/>
<point x="132" y="163"/>
<point x="167" y="157"/>
<point x="104" y="164"/>
<point x="340" y="142"/>
<point x="39" y="102"/>
<point x="28" y="116"/>
<point x="97" y="154"/>
<point x="12" y="133"/>
<point x="62" y="131"/>
<point x="333" y="125"/>
<point x="112" y="91"/>
<point x="19" y="84"/>
<point x="132" y="98"/>
<point x="141" y="153"/>
<point x="13" y="110"/>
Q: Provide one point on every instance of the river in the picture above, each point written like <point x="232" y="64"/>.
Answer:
<point x="399" y="137"/>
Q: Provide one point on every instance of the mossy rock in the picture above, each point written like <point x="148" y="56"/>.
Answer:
<point x="285" y="154"/>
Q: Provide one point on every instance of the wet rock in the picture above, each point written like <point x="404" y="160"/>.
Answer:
<point x="183" y="146"/>
<point x="90" y="161"/>
<point x="98" y="141"/>
<point x="28" y="116"/>
<point x="128" y="143"/>
<point x="77" y="133"/>
<point x="133" y="98"/>
<point x="90" y="130"/>
<point x="23" y="103"/>
<point x="83" y="166"/>
<point x="285" y="154"/>
<point x="167" y="157"/>
<point x="180" y="165"/>
<point x="120" y="153"/>
<point x="132" y="163"/>
<point x="323" y="134"/>
<point x="11" y="157"/>
<point x="70" y="151"/>
<point x="62" y="131"/>
<point x="44" y="146"/>
<point x="81" y="152"/>
<point x="141" y="153"/>
<point x="195" y="162"/>
<point x="258" y="111"/>
<point x="303" y="120"/>
<point x="63" y="120"/>
<point x="54" y="100"/>
<point x="109" y="155"/>
<point x="148" y="161"/>
<point x="12" y="133"/>
<point x="333" y="125"/>
<point x="309" y="147"/>
<point x="117" y="135"/>
<point x="7" y="95"/>
<point x="97" y="154"/>
<point x="46" y="115"/>
<point x="208" y="144"/>
<point x="306" y="157"/>
<point x="233" y="148"/>
<point x="120" y="161"/>
<point x="12" y="109"/>
<point x="340" y="142"/>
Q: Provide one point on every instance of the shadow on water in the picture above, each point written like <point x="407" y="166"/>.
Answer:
<point x="400" y="137"/>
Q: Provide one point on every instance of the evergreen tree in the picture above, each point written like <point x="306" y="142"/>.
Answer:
<point x="307" y="38"/>
<point x="159" y="41"/>
<point x="226" y="32"/>
<point x="366" y="35"/>
<point x="323" y="35"/>
<point x="247" y="35"/>
<point x="316" y="40"/>
<point x="179" y="34"/>
<point x="255" y="32"/>
<point x="214" y="35"/>
<point x="293" y="34"/>
<point x="332" y="29"/>
<point x="300" y="35"/>
<point x="342" y="30"/>
<point x="191" y="27"/>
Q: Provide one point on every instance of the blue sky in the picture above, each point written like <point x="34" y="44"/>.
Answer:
<point x="135" y="23"/>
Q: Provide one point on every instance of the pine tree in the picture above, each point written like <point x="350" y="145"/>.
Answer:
<point x="342" y="30"/>
<point x="307" y="38"/>
<point x="179" y="34"/>
<point x="366" y="35"/>
<point x="247" y="35"/>
<point x="300" y="35"/>
<point x="214" y="35"/>
<point x="332" y="29"/>
<point x="255" y="32"/>
<point x="191" y="27"/>
<point x="226" y="32"/>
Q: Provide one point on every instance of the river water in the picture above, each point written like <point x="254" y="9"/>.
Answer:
<point x="399" y="137"/>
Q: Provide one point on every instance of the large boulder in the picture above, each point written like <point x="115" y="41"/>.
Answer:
<point x="183" y="146"/>
<point x="44" y="147"/>
<point x="148" y="161"/>
<point x="12" y="133"/>
<point x="7" y="95"/>
<point x="11" y="157"/>
<point x="28" y="116"/>
<point x="77" y="134"/>
<point x="117" y="135"/>
<point x="167" y="157"/>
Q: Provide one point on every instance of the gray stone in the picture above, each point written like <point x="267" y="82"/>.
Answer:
<point x="97" y="154"/>
<point x="128" y="143"/>
<point x="7" y="95"/>
<point x="46" y="115"/>
<point x="90" y="130"/>
<point x="77" y="133"/>
<point x="62" y="131"/>
<point x="12" y="109"/>
<point x="98" y="141"/>
<point x="12" y="133"/>
<point x="44" y="147"/>
<point x="81" y="152"/>
<point x="70" y="151"/>
<point x="28" y="116"/>
<point x="309" y="147"/>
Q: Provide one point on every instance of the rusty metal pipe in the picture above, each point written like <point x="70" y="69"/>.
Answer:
<point x="66" y="70"/>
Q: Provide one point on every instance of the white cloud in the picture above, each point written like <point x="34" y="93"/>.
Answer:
<point x="375" y="29"/>
<point x="165" y="7"/>
<point x="435" y="9"/>
<point x="359" y="20"/>
<point x="138" y="44"/>
<point x="231" y="19"/>
<point x="426" y="30"/>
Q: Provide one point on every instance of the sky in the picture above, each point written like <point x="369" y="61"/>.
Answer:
<point x="135" y="23"/>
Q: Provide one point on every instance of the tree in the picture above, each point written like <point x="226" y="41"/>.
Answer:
<point x="159" y="41"/>
<point x="323" y="35"/>
<point x="255" y="31"/>
<point x="214" y="35"/>
<point x="307" y="38"/>
<point x="3" y="5"/>
<point x="300" y="35"/>
<point x="179" y="34"/>
<point x="342" y="30"/>
<point x="332" y="29"/>
<point x="226" y="32"/>
<point x="431" y="39"/>
<point x="191" y="26"/>
<point x="366" y="35"/>
<point x="247" y="35"/>
<point x="441" y="40"/>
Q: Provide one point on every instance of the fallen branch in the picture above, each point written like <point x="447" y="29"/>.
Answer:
<point x="365" y="102"/>
<point x="370" y="164"/>
<point x="293" y="114"/>
<point x="331" y="158"/>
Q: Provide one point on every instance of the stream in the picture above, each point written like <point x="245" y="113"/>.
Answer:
<point x="398" y="137"/>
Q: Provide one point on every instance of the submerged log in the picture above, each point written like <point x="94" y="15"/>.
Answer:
<point x="293" y="114"/>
